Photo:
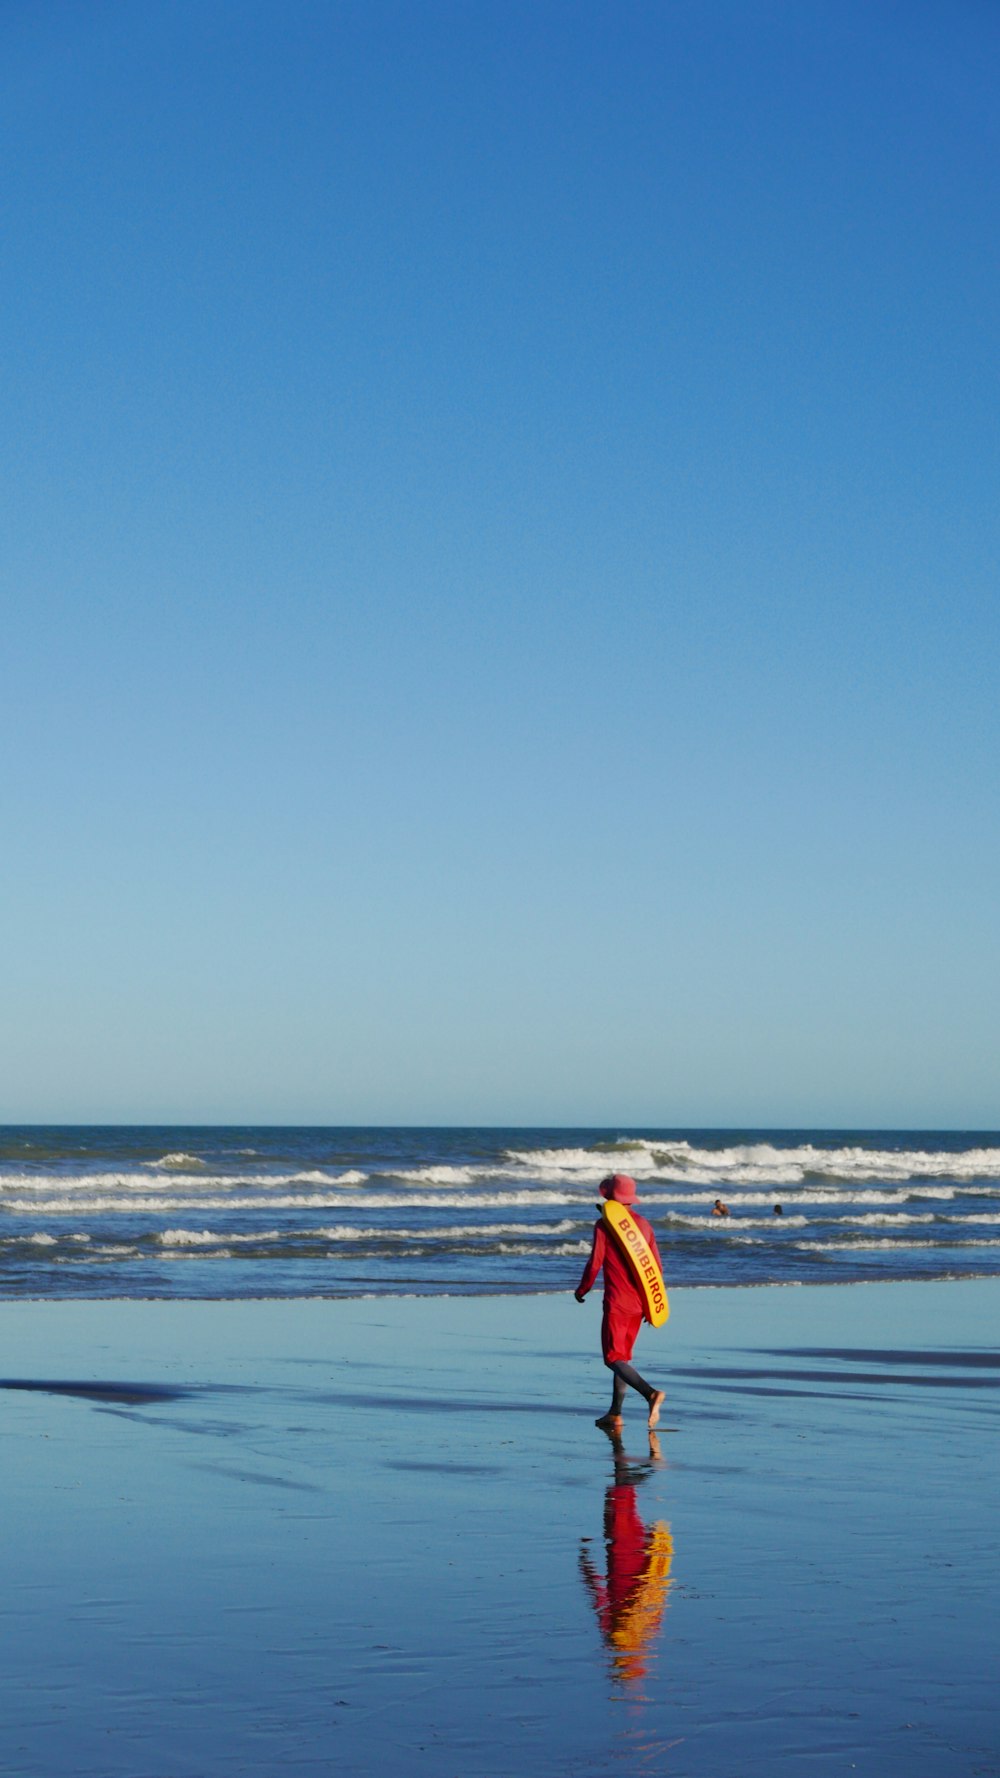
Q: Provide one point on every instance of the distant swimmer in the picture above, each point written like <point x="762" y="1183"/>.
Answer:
<point x="623" y="1306"/>
<point x="778" y="1210"/>
<point x="719" y="1208"/>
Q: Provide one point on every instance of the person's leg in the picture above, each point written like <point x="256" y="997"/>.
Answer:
<point x="612" y="1420"/>
<point x="626" y="1373"/>
<point x="620" y="1326"/>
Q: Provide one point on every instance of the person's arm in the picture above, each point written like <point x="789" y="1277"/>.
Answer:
<point x="594" y="1263"/>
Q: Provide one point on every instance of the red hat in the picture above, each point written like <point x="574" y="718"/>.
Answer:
<point x="620" y="1187"/>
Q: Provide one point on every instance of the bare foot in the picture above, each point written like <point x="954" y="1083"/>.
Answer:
<point x="654" y="1408"/>
<point x="611" y="1422"/>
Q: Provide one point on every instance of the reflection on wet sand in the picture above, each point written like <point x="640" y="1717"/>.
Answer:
<point x="631" y="1597"/>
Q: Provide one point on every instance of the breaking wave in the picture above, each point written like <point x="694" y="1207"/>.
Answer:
<point x="313" y="1212"/>
<point x="755" y="1162"/>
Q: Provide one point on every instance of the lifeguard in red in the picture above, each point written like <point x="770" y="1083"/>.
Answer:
<point x="623" y="1307"/>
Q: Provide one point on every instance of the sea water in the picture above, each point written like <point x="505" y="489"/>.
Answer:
<point x="262" y="1212"/>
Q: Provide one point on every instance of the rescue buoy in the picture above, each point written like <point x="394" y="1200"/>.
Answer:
<point x="646" y="1273"/>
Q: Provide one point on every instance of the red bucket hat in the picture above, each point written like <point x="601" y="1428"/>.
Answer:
<point x="620" y="1187"/>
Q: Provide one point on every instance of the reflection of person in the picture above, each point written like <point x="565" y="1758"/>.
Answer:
<point x="623" y="1309"/>
<point x="719" y="1208"/>
<point x="630" y="1600"/>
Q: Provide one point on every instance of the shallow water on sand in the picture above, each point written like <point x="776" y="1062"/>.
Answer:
<point x="275" y="1537"/>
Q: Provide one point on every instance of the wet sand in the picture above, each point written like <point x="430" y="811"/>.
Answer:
<point x="259" y="1537"/>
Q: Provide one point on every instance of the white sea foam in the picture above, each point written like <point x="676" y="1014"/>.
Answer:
<point x="175" y="1253"/>
<point x="43" y="1239"/>
<point x="157" y="1206"/>
<point x="566" y="1160"/>
<point x="302" y="1201"/>
<point x="87" y="1182"/>
<point x="489" y="1231"/>
<point x="350" y="1232"/>
<point x="319" y="1178"/>
<point x="441" y="1175"/>
<point x="191" y="1238"/>
<point x="103" y="1193"/>
<point x="142" y="1183"/>
<point x="888" y="1245"/>
<point x="210" y="1238"/>
<point x="724" y="1225"/>
<point x="842" y="1206"/>
<point x="755" y="1162"/>
<point x="890" y="1219"/>
<point x="525" y="1248"/>
<point x="483" y="1185"/>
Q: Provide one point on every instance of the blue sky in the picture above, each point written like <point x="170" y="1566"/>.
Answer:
<point x="501" y="563"/>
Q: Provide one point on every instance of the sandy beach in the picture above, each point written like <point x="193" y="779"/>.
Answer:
<point x="309" y="1536"/>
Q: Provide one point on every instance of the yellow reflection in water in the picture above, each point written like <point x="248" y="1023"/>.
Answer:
<point x="631" y="1596"/>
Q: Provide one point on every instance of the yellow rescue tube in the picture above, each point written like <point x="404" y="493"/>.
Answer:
<point x="636" y="1249"/>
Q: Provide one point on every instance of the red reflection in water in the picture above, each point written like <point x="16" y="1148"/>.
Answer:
<point x="631" y="1597"/>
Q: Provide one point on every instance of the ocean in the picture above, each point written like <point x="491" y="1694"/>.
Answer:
<point x="279" y="1212"/>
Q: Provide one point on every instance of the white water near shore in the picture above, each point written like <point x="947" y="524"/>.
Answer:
<point x="270" y="1212"/>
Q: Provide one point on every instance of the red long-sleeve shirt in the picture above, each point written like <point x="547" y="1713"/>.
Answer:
<point x="623" y="1305"/>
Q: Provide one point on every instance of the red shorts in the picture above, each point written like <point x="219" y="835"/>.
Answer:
<point x="620" y="1326"/>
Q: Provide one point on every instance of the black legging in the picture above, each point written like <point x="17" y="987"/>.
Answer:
<point x="625" y="1373"/>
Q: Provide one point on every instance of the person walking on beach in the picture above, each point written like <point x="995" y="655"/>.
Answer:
<point x="623" y="1310"/>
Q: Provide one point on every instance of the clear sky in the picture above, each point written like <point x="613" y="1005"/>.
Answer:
<point x="500" y="559"/>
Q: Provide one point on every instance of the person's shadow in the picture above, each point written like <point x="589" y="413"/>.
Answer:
<point x="631" y="1597"/>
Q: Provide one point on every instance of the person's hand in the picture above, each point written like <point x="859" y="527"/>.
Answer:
<point x="581" y="1296"/>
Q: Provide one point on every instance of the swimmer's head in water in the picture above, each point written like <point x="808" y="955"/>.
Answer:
<point x="619" y="1187"/>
